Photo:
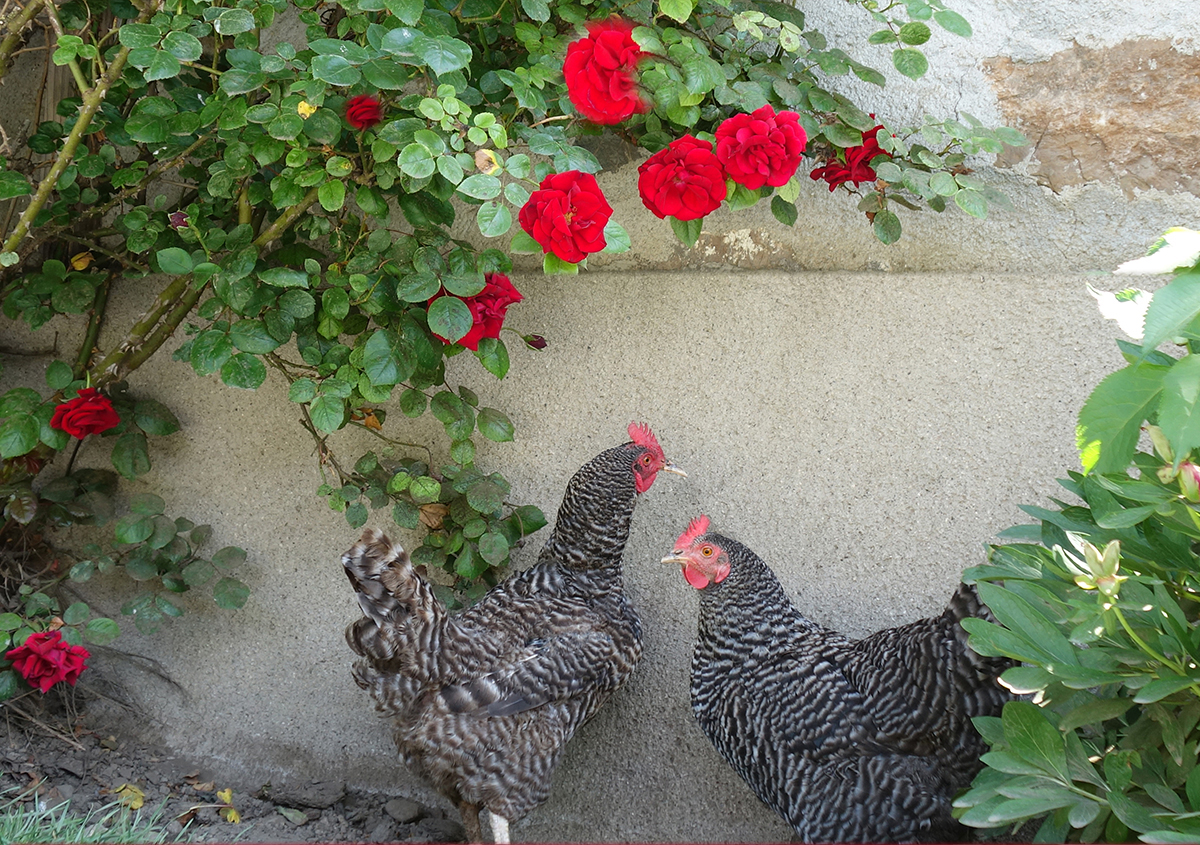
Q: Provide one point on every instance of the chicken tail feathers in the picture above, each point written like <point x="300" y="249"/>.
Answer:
<point x="396" y="602"/>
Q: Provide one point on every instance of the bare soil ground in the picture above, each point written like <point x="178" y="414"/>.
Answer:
<point x="52" y="752"/>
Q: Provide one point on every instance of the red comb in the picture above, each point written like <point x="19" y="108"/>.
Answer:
<point x="641" y="434"/>
<point x="695" y="528"/>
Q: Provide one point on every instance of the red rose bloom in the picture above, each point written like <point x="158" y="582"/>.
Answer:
<point x="488" y="307"/>
<point x="45" y="659"/>
<point x="762" y="148"/>
<point x="599" y="71"/>
<point x="88" y="413"/>
<point x="567" y="215"/>
<point x="363" y="111"/>
<point x="685" y="181"/>
<point x="857" y="168"/>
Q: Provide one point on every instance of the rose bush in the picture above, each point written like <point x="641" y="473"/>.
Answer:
<point x="684" y="181"/>
<point x="599" y="71"/>
<point x="488" y="309"/>
<point x="44" y="660"/>
<point x="567" y="215"/>
<point x="763" y="148"/>
<point x="89" y="412"/>
<point x="297" y="205"/>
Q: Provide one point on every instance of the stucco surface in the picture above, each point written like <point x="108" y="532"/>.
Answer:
<point x="864" y="432"/>
<point x="865" y="417"/>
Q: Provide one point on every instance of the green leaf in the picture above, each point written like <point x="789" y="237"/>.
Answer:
<point x="443" y="54"/>
<point x="13" y="184"/>
<point x="784" y="211"/>
<point x="328" y="413"/>
<point x="914" y="33"/>
<point x="494" y="219"/>
<point x="486" y="495"/>
<point x="538" y="10"/>
<point x="952" y="22"/>
<point x="154" y="417"/>
<point x="493" y="354"/>
<point x="229" y="556"/>
<point x="425" y="490"/>
<point x="244" y="371"/>
<point x="1178" y="412"/>
<point x="232" y="21"/>
<point x="183" y="46"/>
<point x="910" y="62"/>
<point x="552" y="264"/>
<point x="1033" y="738"/>
<point x="495" y="425"/>
<point x="162" y="66"/>
<point x="18" y="434"/>
<point x="449" y="317"/>
<point x="523" y="244"/>
<point x="101" y="631"/>
<point x="412" y="402"/>
<point x="1171" y="309"/>
<point x="147" y="504"/>
<point x="252" y="336"/>
<point x="1111" y="419"/>
<point x="1160" y="689"/>
<point x="688" y="231"/>
<point x="230" y="593"/>
<point x="493" y="548"/>
<point x="285" y="277"/>
<point x="134" y="35"/>
<point x="332" y="195"/>
<point x="678" y="10"/>
<point x="887" y="227"/>
<point x="10" y="622"/>
<point x="210" y="350"/>
<point x="408" y="11"/>
<point x="416" y="161"/>
<point x="130" y="457"/>
<point x="385" y="359"/>
<point x="972" y="202"/>
<point x="133" y="528"/>
<point x="481" y="186"/>
<point x="1024" y="619"/>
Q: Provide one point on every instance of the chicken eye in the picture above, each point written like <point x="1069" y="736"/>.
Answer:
<point x="645" y="460"/>
<point x="706" y="551"/>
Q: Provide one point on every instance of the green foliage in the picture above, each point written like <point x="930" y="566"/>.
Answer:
<point x="1101" y="609"/>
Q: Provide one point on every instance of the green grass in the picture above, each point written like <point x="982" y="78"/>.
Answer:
<point x="112" y="823"/>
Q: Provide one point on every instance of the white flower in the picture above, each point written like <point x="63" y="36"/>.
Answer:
<point x="1178" y="247"/>
<point x="1127" y="307"/>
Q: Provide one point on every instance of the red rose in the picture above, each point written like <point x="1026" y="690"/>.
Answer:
<point x="488" y="307"/>
<point x="45" y="659"/>
<point x="599" y="71"/>
<point x="857" y="168"/>
<point x="88" y="413"/>
<point x="762" y="148"/>
<point x="363" y="111"/>
<point x="567" y="215"/>
<point x="685" y="181"/>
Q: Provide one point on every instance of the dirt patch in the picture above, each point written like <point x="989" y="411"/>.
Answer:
<point x="53" y="754"/>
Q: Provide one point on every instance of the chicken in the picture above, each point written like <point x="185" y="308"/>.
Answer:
<point x="848" y="740"/>
<point x="485" y="701"/>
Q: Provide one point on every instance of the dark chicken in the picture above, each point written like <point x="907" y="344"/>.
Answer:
<point x="848" y="740"/>
<point x="485" y="701"/>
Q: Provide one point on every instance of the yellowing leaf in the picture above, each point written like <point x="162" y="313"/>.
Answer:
<point x="225" y="795"/>
<point x="305" y="109"/>
<point x="230" y="815"/>
<point x="81" y="260"/>
<point x="486" y="162"/>
<point x="130" y="796"/>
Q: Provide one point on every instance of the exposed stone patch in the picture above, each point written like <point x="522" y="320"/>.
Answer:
<point x="1123" y="114"/>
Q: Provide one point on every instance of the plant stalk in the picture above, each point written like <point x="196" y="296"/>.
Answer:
<point x="14" y="33"/>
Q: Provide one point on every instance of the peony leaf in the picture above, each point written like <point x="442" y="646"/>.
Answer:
<point x="1110" y="421"/>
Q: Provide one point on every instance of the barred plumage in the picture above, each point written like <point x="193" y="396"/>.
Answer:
<point x="849" y="741"/>
<point x="485" y="701"/>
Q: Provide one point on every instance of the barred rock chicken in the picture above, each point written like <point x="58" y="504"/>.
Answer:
<point x="848" y="740"/>
<point x="485" y="701"/>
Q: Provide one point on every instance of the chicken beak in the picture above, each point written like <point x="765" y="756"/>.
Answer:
<point x="677" y="559"/>
<point x="670" y="467"/>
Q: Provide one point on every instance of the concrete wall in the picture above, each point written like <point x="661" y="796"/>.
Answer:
<point x="865" y="417"/>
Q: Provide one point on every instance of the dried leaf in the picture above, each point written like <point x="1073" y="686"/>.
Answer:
<point x="372" y="422"/>
<point x="207" y="786"/>
<point x="296" y="817"/>
<point x="433" y="514"/>
<point x="130" y="796"/>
